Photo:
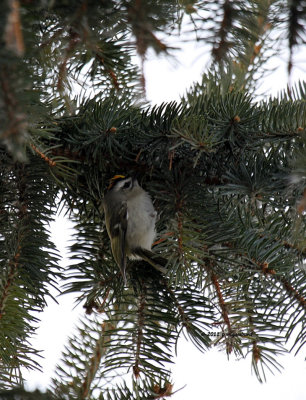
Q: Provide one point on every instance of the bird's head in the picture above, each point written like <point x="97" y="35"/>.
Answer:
<point x="123" y="184"/>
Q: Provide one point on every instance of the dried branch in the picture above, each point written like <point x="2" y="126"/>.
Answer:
<point x="223" y="45"/>
<point x="95" y="360"/>
<point x="12" y="273"/>
<point x="15" y="120"/>
<point x="50" y="162"/>
<point x="140" y="324"/>
<point x="13" y="36"/>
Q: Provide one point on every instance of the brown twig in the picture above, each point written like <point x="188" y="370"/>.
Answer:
<point x="263" y="267"/>
<point x="140" y="324"/>
<point x="74" y="41"/>
<point x="294" y="293"/>
<point x="13" y="269"/>
<point x="302" y="203"/>
<point x="256" y="351"/>
<point x="50" y="162"/>
<point x="162" y="392"/>
<point x="16" y="120"/>
<point x="223" y="307"/>
<point x="94" y="305"/>
<point x="255" y="348"/>
<point x="226" y="24"/>
<point x="171" y="156"/>
<point x="163" y="238"/>
<point x="66" y="152"/>
<point x="184" y="318"/>
<point x="110" y="72"/>
<point x="179" y="206"/>
<point x="14" y="263"/>
<point x="92" y="370"/>
<point x="13" y="31"/>
<point x="95" y="361"/>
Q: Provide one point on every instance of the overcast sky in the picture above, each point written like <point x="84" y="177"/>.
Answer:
<point x="209" y="375"/>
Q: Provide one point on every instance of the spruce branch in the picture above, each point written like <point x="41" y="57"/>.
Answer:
<point x="95" y="360"/>
<point x="296" y="29"/>
<point x="221" y="49"/>
<point x="13" y="36"/>
<point x="182" y="315"/>
<point x="27" y="260"/>
<point x="223" y="307"/>
<point x="11" y="276"/>
<point x="226" y="174"/>
<point x="43" y="156"/>
<point x="82" y="369"/>
<point x="294" y="293"/>
<point x="14" y="125"/>
<point x="139" y="335"/>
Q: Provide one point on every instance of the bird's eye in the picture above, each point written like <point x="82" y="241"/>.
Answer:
<point x="126" y="185"/>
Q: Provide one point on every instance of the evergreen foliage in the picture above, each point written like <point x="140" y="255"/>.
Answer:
<point x="226" y="171"/>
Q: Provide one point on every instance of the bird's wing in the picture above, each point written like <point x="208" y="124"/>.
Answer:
<point x="118" y="227"/>
<point x="158" y="262"/>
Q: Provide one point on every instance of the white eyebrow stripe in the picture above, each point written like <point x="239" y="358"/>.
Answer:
<point x="123" y="182"/>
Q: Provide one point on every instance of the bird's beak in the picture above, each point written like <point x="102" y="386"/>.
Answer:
<point x="134" y="179"/>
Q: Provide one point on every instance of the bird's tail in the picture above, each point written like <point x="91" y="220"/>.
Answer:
<point x="157" y="262"/>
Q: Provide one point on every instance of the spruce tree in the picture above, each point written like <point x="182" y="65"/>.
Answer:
<point x="226" y="171"/>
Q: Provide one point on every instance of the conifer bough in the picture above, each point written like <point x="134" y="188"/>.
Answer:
<point x="226" y="172"/>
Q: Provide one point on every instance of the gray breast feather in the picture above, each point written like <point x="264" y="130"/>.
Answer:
<point x="141" y="222"/>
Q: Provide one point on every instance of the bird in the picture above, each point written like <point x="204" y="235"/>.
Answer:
<point x="130" y="220"/>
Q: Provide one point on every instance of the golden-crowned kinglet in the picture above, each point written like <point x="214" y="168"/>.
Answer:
<point x="130" y="222"/>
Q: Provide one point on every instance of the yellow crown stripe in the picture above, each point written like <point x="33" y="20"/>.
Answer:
<point x="113" y="179"/>
<point x="117" y="177"/>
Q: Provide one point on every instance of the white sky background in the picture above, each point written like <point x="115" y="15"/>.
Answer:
<point x="209" y="375"/>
